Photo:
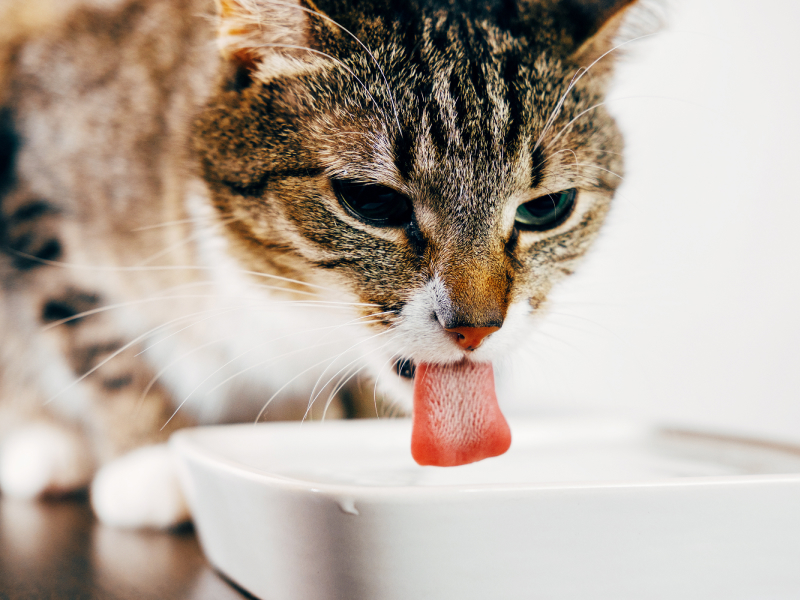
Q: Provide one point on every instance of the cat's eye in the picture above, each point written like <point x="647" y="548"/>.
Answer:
<point x="546" y="212"/>
<point x="374" y="204"/>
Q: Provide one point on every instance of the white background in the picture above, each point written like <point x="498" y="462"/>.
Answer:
<point x="687" y="310"/>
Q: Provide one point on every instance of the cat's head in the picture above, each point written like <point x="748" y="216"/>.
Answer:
<point x="445" y="162"/>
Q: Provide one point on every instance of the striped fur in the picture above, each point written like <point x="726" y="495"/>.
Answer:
<point x="169" y="225"/>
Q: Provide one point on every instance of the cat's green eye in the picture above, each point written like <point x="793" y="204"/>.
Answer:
<point x="374" y="204"/>
<point x="546" y="212"/>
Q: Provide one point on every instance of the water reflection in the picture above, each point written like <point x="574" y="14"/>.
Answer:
<point x="56" y="549"/>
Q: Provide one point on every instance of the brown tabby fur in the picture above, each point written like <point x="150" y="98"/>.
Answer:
<point x="115" y="110"/>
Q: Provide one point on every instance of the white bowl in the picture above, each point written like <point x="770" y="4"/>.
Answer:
<point x="579" y="509"/>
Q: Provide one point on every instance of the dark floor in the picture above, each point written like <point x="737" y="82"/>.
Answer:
<point x="56" y="549"/>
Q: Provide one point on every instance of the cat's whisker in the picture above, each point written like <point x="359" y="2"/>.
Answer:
<point x="173" y="223"/>
<point x="337" y="61"/>
<point x="117" y="352"/>
<point x="608" y="330"/>
<point x="360" y="43"/>
<point x="184" y="241"/>
<point x="572" y="121"/>
<point x="122" y="349"/>
<point x="544" y="160"/>
<point x="610" y="100"/>
<point x="237" y="374"/>
<point x="261" y="304"/>
<point x="284" y="386"/>
<point x="215" y="313"/>
<point x="550" y="336"/>
<point x="575" y="79"/>
<point x="312" y="395"/>
<point x="133" y="269"/>
<point x="110" y="307"/>
<point x="557" y="110"/>
<point x="355" y="360"/>
<point x="156" y="296"/>
<point x="574" y="155"/>
<point x="602" y="169"/>
<point x="334" y="328"/>
<point x="591" y="108"/>
<point x="392" y="360"/>
<point x="601" y="151"/>
<point x="169" y="365"/>
<point x="343" y="380"/>
<point x="275" y="288"/>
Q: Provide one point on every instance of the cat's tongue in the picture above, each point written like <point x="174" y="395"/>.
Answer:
<point x="456" y="416"/>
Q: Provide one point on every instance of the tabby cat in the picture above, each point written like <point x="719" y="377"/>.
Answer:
<point x="209" y="211"/>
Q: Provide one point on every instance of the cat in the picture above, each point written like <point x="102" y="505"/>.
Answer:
<point x="211" y="210"/>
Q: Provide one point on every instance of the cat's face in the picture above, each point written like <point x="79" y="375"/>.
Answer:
<point x="445" y="180"/>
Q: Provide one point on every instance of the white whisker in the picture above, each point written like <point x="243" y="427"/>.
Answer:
<point x="334" y="59"/>
<point x="355" y="360"/>
<point x="360" y="43"/>
<point x="270" y="359"/>
<point x="312" y="396"/>
<point x="262" y="304"/>
<point x="105" y="269"/>
<point x="173" y="223"/>
<point x="117" y="353"/>
<point x="392" y="360"/>
<point x="183" y="242"/>
<point x="164" y="369"/>
<point x="575" y="79"/>
<point x="343" y="380"/>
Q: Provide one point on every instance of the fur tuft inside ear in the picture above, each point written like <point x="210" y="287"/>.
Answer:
<point x="249" y="30"/>
<point x="600" y="26"/>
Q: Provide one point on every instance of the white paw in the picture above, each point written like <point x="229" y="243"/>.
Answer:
<point x="140" y="490"/>
<point x="42" y="458"/>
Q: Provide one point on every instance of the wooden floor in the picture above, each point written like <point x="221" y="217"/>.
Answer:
<point x="56" y="549"/>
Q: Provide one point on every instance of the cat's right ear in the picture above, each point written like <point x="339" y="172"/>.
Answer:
<point x="593" y="26"/>
<point x="252" y="32"/>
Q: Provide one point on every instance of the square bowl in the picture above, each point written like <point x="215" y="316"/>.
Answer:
<point x="578" y="509"/>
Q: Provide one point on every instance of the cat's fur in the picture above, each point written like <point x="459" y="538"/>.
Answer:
<point x="158" y="155"/>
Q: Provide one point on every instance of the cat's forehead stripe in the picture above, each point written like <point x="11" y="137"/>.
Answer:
<point x="462" y="101"/>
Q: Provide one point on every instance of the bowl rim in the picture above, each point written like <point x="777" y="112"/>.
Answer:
<point x="187" y="443"/>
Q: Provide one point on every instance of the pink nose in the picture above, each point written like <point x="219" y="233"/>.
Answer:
<point x="469" y="338"/>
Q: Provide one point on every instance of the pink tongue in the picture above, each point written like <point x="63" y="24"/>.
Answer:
<point x="456" y="416"/>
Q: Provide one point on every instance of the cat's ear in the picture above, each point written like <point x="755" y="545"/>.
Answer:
<point x="593" y="27"/>
<point x="249" y="31"/>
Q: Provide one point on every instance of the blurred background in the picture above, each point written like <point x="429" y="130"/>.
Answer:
<point x="688" y="310"/>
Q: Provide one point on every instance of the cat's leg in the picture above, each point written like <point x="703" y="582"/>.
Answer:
<point x="140" y="489"/>
<point x="56" y="425"/>
<point x="128" y="422"/>
<point x="40" y="453"/>
<point x="71" y="410"/>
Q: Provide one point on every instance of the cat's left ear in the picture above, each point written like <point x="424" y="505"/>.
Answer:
<point x="593" y="26"/>
<point x="250" y="31"/>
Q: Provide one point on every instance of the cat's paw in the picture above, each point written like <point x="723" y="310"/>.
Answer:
<point x="43" y="458"/>
<point x="140" y="490"/>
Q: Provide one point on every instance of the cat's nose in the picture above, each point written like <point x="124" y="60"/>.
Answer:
<point x="469" y="338"/>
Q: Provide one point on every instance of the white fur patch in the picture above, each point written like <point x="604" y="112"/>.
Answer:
<point x="254" y="343"/>
<point x="44" y="459"/>
<point x="140" y="490"/>
<point x="421" y="337"/>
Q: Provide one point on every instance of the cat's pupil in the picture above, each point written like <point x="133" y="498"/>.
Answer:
<point x="374" y="204"/>
<point x="546" y="212"/>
